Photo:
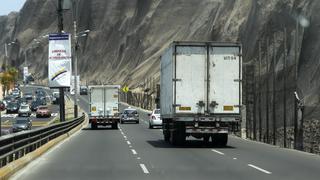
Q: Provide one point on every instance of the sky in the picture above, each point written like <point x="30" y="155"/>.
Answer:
<point x="8" y="6"/>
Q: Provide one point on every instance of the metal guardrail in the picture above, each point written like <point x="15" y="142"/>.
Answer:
<point x="18" y="145"/>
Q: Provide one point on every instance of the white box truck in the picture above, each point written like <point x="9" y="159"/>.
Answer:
<point x="104" y="106"/>
<point x="200" y="91"/>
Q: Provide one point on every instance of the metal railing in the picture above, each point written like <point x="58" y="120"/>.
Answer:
<point x="18" y="145"/>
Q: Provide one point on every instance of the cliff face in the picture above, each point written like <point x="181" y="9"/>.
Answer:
<point x="127" y="37"/>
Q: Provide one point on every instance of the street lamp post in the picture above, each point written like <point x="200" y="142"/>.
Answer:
<point x="75" y="55"/>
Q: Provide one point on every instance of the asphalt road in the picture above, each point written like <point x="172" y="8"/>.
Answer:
<point x="135" y="152"/>
<point x="7" y="118"/>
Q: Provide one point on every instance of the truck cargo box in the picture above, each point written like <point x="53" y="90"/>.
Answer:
<point x="201" y="79"/>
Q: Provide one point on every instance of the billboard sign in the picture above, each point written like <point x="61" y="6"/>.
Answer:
<point x="59" y="61"/>
<point x="25" y="73"/>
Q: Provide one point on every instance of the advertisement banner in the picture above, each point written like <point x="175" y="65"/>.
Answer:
<point x="59" y="62"/>
<point x="25" y="73"/>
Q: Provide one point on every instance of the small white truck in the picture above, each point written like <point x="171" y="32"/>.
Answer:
<point x="104" y="106"/>
<point x="200" y="91"/>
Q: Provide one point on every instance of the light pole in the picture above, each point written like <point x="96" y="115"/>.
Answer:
<point x="75" y="55"/>
<point x="6" y="52"/>
<point x="303" y="22"/>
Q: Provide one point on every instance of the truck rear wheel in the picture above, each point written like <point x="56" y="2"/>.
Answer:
<point x="220" y="139"/>
<point x="166" y="136"/>
<point x="114" y="125"/>
<point x="178" y="137"/>
<point x="94" y="126"/>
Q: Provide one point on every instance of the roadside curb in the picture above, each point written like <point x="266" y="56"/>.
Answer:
<point x="13" y="167"/>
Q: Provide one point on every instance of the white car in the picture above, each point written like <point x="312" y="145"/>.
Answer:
<point x="155" y="119"/>
<point x="24" y="110"/>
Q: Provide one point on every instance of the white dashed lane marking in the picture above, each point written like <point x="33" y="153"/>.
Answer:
<point x="128" y="142"/>
<point x="218" y="152"/>
<point x="259" y="169"/>
<point x="144" y="169"/>
<point x="134" y="151"/>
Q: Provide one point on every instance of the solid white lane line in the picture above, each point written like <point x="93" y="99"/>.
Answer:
<point x="260" y="169"/>
<point x="134" y="151"/>
<point x="144" y="169"/>
<point x="128" y="142"/>
<point x="213" y="150"/>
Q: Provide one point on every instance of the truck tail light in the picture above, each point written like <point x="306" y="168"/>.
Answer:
<point x="94" y="120"/>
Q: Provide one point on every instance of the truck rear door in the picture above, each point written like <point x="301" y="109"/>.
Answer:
<point x="225" y="84"/>
<point x="97" y="101"/>
<point x="190" y="86"/>
<point x="111" y="100"/>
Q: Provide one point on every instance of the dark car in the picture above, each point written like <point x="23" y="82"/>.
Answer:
<point x="83" y="90"/>
<point x="13" y="107"/>
<point x="2" y="106"/>
<point x="130" y="115"/>
<point x="35" y="104"/>
<point x="28" y="95"/>
<point x="21" y="124"/>
<point x="8" y="99"/>
<point x="55" y="97"/>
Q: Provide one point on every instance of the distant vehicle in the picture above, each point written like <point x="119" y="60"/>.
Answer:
<point x="22" y="100"/>
<point x="2" y="106"/>
<point x="12" y="107"/>
<point x="129" y="115"/>
<point x="28" y="95"/>
<point x="24" y="110"/>
<point x="55" y="97"/>
<point x="15" y="93"/>
<point x="83" y="90"/>
<point x="43" y="111"/>
<point x="8" y="99"/>
<point x="42" y="100"/>
<point x="35" y="104"/>
<point x="104" y="106"/>
<point x="21" y="124"/>
<point x="200" y="91"/>
<point x="154" y="118"/>
<point x="39" y="91"/>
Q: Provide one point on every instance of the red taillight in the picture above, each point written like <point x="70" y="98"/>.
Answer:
<point x="93" y="120"/>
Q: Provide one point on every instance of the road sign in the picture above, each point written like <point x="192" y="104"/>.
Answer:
<point x="125" y="89"/>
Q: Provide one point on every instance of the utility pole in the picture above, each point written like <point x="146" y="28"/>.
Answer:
<point x="296" y="87"/>
<point x="254" y="104"/>
<point x="74" y="16"/>
<point x="267" y="92"/>
<point x="61" y="89"/>
<point x="274" y="91"/>
<point x="260" y="104"/>
<point x="285" y="90"/>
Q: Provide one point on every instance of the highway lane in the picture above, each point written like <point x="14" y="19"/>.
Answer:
<point x="9" y="118"/>
<point x="136" y="152"/>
